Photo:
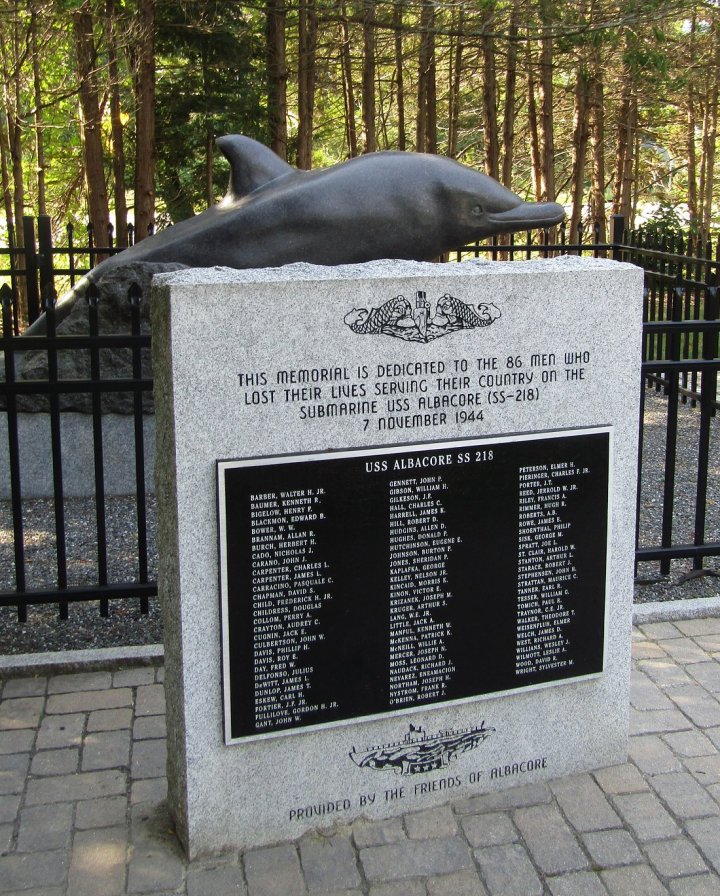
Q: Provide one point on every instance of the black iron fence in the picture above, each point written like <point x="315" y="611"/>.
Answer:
<point x="33" y="268"/>
<point x="52" y="390"/>
<point x="680" y="363"/>
<point x="681" y="307"/>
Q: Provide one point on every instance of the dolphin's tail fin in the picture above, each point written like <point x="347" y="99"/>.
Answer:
<point x="251" y="164"/>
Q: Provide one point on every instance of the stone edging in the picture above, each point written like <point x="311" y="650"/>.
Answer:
<point x="80" y="660"/>
<point x="670" y="610"/>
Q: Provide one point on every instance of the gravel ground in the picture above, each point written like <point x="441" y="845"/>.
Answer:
<point x="85" y="627"/>
<point x="125" y="625"/>
<point x="682" y="581"/>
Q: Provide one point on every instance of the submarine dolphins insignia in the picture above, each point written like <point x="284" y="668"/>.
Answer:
<point x="419" y="752"/>
<point x="397" y="317"/>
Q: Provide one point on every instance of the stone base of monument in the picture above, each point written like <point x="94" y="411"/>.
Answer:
<point x="396" y="526"/>
<point x="78" y="456"/>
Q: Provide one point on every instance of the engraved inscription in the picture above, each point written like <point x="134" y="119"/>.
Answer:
<point x="290" y="586"/>
<point x="420" y="546"/>
<point x="360" y="583"/>
<point x="435" y="393"/>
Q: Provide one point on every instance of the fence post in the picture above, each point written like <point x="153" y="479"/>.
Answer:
<point x="14" y="284"/>
<point x="31" y="269"/>
<point x="91" y="244"/>
<point x="45" y="254"/>
<point x="708" y="395"/>
<point x="672" y="388"/>
<point x="618" y="233"/>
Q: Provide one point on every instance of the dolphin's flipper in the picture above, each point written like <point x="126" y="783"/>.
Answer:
<point x="252" y="165"/>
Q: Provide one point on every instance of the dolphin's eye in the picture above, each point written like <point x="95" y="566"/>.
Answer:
<point x="477" y="210"/>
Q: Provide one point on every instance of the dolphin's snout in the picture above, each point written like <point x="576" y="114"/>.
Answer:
<point x="527" y="215"/>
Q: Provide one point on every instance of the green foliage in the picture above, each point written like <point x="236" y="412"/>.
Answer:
<point x="209" y="83"/>
<point x="211" y="80"/>
<point x="666" y="218"/>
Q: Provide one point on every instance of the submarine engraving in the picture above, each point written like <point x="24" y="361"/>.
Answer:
<point x="420" y="752"/>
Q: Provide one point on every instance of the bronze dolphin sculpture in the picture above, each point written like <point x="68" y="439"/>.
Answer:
<point x="380" y="205"/>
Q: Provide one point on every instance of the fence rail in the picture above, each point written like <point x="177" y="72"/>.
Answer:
<point x="681" y="336"/>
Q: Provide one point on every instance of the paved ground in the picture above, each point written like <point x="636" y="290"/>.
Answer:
<point x="81" y="803"/>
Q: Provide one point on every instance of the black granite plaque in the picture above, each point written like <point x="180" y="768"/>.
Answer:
<point x="360" y="583"/>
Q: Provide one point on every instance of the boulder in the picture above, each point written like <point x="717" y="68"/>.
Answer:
<point x="114" y="317"/>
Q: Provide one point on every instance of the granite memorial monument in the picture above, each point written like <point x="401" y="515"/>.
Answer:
<point x="396" y="531"/>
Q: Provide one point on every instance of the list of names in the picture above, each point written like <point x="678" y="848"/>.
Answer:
<point x="420" y="546"/>
<point x="290" y="586"/>
<point x="546" y="568"/>
<point x="367" y="582"/>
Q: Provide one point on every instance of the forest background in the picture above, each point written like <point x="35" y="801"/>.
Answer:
<point x="110" y="108"/>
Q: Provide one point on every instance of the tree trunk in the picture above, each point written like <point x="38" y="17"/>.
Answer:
<point x="533" y="128"/>
<point x="710" y="143"/>
<point x="629" y="168"/>
<point x="509" y="108"/>
<point x="692" y="197"/>
<point x="580" y="142"/>
<point x="426" y="131"/>
<point x="368" y="80"/>
<point x="625" y="145"/>
<point x="703" y="163"/>
<point x="622" y="143"/>
<point x="276" y="76"/>
<point x="490" y="118"/>
<point x="307" y="42"/>
<point x="16" y="133"/>
<point x="116" y="126"/>
<point x="209" y="126"/>
<point x="597" y="142"/>
<point x="432" y="86"/>
<point x="12" y="91"/>
<point x="634" y="180"/>
<point x="39" y="127"/>
<point x="421" y="116"/>
<point x="91" y="123"/>
<point x="145" y="121"/>
<point x="547" y="170"/>
<point x="455" y="80"/>
<point x="7" y="192"/>
<point x="348" y="83"/>
<point x="399" y="77"/>
<point x="12" y="172"/>
<point x="490" y="122"/>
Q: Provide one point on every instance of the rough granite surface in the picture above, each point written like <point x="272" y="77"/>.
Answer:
<point x="295" y="318"/>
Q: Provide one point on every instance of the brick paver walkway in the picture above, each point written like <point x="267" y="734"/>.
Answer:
<point x="82" y="760"/>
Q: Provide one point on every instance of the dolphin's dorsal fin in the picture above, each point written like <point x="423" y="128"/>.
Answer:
<point x="251" y="164"/>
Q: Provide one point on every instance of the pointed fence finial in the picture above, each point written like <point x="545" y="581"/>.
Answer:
<point x="6" y="296"/>
<point x="49" y="296"/>
<point x="92" y="295"/>
<point x="134" y="294"/>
